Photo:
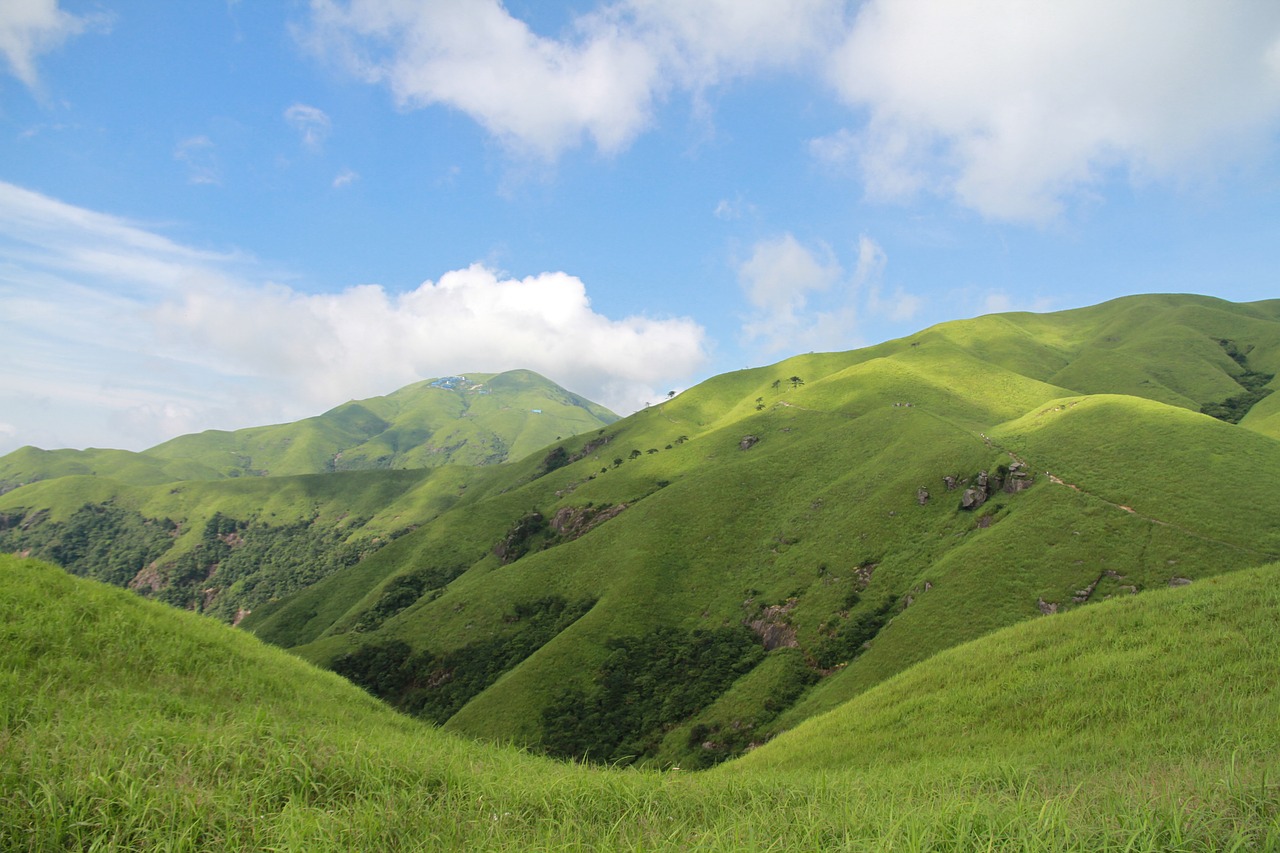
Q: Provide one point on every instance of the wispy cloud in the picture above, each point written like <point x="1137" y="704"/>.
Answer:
<point x="801" y="298"/>
<point x="312" y="124"/>
<point x="345" y="178"/>
<point x="778" y="280"/>
<point x="199" y="155"/>
<point x="29" y="28"/>
<point x="123" y="337"/>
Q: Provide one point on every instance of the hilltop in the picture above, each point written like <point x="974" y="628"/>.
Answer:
<point x="1143" y="724"/>
<point x="682" y="585"/>
<point x="477" y="419"/>
<point x="223" y="521"/>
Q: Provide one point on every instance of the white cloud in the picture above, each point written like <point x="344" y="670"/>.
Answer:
<point x="199" y="154"/>
<point x="1013" y="107"/>
<point x="345" y="178"/>
<point x="121" y="337"/>
<point x="312" y="124"/>
<point x="801" y="298"/>
<point x="899" y="306"/>
<point x="543" y="95"/>
<point x="345" y="344"/>
<point x="728" y="210"/>
<point x="778" y="280"/>
<point x="29" y="28"/>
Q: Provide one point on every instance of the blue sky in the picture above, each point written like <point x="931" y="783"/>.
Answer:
<point x="223" y="213"/>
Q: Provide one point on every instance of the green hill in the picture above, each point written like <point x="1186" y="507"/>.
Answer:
<point x="187" y="522"/>
<point x="1142" y="724"/>
<point x="684" y="584"/>
<point x="803" y="527"/>
<point x="473" y="420"/>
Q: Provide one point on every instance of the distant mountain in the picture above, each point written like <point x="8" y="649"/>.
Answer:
<point x="687" y="582"/>
<point x="476" y="419"/>
<point x="223" y="521"/>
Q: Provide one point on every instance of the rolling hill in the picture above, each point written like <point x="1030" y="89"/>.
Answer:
<point x="463" y="420"/>
<point x="682" y="585"/>
<point x="1147" y="723"/>
<point x="804" y="527"/>
<point x="258" y="502"/>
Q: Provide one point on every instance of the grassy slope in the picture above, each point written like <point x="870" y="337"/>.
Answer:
<point x="29" y="464"/>
<point x="1141" y="684"/>
<point x="491" y="419"/>
<point x="830" y="486"/>
<point x="1144" y="724"/>
<point x="419" y="428"/>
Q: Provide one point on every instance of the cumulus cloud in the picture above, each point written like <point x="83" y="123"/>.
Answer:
<point x="1012" y="107"/>
<point x="122" y="337"/>
<point x="340" y="345"/>
<point x="312" y="124"/>
<point x="542" y="95"/>
<point x="29" y="28"/>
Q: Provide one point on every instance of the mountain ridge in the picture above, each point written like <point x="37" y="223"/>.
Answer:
<point x="425" y="424"/>
<point x="817" y="526"/>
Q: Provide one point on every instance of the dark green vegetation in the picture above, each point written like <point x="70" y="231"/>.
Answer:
<point x="817" y="527"/>
<point x="1144" y="724"/>
<point x="1254" y="384"/>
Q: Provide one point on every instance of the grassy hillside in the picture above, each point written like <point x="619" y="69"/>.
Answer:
<point x="472" y="420"/>
<point x="802" y="525"/>
<point x="185" y="522"/>
<point x="1144" y="724"/>
<point x="692" y="580"/>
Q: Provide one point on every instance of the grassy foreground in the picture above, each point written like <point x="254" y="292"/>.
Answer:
<point x="1148" y="723"/>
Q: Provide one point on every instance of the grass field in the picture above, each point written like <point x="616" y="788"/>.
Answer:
<point x="1148" y="723"/>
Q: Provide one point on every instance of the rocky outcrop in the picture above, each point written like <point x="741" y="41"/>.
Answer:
<point x="571" y="522"/>
<point x="1018" y="478"/>
<point x="774" y="628"/>
<point x="1008" y="479"/>
<point x="748" y="442"/>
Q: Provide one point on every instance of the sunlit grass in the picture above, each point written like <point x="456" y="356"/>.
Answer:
<point x="127" y="726"/>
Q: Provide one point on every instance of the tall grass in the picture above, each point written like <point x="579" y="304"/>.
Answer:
<point x="127" y="726"/>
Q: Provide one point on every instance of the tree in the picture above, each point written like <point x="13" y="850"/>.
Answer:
<point x="635" y="454"/>
<point x="670" y="394"/>
<point x="796" y="381"/>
